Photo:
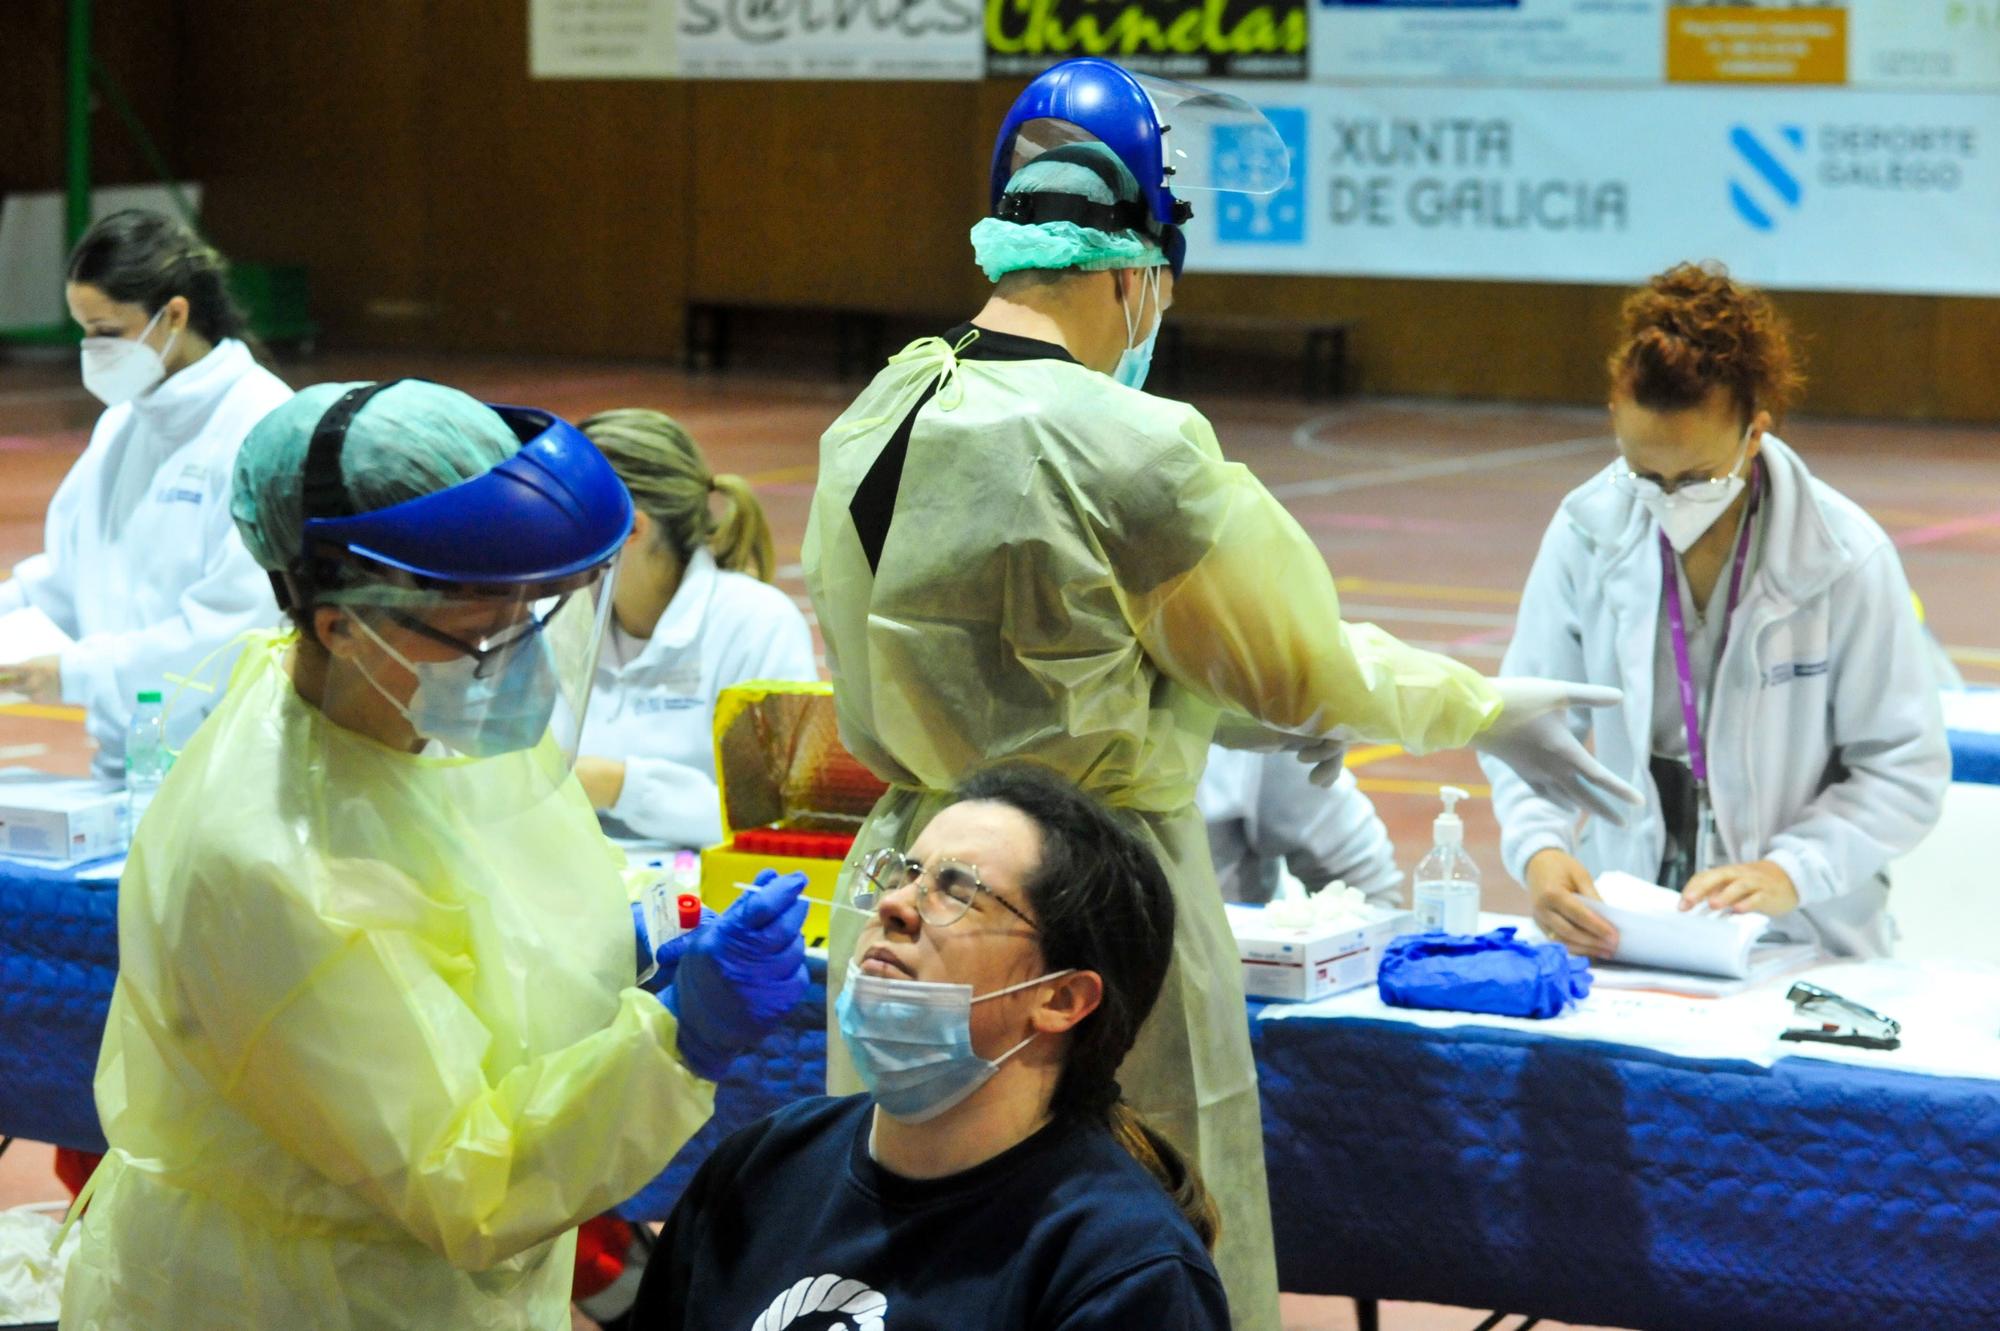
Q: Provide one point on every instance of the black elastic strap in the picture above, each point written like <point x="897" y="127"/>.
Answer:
<point x="325" y="490"/>
<point x="874" y="502"/>
<point x="1030" y="206"/>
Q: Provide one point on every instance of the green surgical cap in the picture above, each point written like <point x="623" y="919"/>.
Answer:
<point x="1009" y="247"/>
<point x="409" y="441"/>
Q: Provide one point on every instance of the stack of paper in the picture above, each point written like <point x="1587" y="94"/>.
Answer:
<point x="1653" y="931"/>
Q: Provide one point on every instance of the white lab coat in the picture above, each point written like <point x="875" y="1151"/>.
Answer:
<point x="141" y="565"/>
<point x="1826" y="743"/>
<point x="656" y="711"/>
<point x="1263" y="807"/>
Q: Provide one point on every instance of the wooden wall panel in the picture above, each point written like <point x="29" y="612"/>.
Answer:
<point x="304" y="126"/>
<point x="135" y="41"/>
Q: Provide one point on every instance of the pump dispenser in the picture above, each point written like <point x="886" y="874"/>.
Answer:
<point x="1445" y="894"/>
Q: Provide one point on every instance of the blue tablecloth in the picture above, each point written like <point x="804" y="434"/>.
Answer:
<point x="1594" y="1183"/>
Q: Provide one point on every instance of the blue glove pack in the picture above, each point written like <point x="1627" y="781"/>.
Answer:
<point x="1495" y="972"/>
<point x="735" y="979"/>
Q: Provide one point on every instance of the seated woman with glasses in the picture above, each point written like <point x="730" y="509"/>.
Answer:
<point x="1779" y="712"/>
<point x="992" y="1176"/>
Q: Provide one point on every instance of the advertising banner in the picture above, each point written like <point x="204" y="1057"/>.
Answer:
<point x="756" y="39"/>
<point x="1768" y="42"/>
<point x="1925" y="44"/>
<point x="1489" y="41"/>
<point x="601" y="39"/>
<point x="831" y="39"/>
<point x="1195" y="40"/>
<point x="1824" y="189"/>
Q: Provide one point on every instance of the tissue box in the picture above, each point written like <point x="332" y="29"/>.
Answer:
<point x="60" y="819"/>
<point x="1314" y="962"/>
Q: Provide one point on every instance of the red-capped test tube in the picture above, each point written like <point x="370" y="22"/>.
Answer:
<point x="689" y="907"/>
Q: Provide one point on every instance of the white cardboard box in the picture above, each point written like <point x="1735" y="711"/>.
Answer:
<point x="59" y="819"/>
<point x="1311" y="963"/>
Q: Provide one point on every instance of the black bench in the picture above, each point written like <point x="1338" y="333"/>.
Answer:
<point x="860" y="336"/>
<point x="1324" y="367"/>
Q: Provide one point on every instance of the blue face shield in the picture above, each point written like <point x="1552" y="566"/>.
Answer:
<point x="911" y="1041"/>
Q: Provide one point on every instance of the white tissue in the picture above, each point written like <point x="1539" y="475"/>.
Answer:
<point x="1336" y="904"/>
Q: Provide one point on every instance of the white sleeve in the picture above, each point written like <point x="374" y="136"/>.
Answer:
<point x="47" y="581"/>
<point x="1548" y="643"/>
<point x="1888" y="731"/>
<point x="103" y="672"/>
<point x="1323" y="835"/>
<point x="671" y="802"/>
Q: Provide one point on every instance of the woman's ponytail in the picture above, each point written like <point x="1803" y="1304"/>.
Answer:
<point x="1175" y="1171"/>
<point x="742" y="539"/>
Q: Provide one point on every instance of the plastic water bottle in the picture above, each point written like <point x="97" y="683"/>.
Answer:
<point x="1446" y="891"/>
<point x="146" y="759"/>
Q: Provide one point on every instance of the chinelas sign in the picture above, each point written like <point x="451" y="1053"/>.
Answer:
<point x="1814" y="189"/>
<point x="1183" y="39"/>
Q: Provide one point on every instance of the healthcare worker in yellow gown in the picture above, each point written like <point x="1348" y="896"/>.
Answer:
<point x="377" y="1044"/>
<point x="1016" y="553"/>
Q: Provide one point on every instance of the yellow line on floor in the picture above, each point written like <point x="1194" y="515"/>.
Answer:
<point x="40" y="712"/>
<point x="1428" y="591"/>
<point x="1373" y="754"/>
<point x="1973" y="656"/>
<point x="1396" y="786"/>
<point x="804" y="471"/>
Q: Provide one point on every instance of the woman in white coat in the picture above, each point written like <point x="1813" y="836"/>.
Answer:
<point x="693" y="613"/>
<point x="1265" y="814"/>
<point x="141" y="565"/>
<point x="1779" y="711"/>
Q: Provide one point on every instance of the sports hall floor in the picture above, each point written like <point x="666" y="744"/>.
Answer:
<point x="1429" y="514"/>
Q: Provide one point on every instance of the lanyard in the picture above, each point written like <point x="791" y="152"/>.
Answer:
<point x="1697" y="751"/>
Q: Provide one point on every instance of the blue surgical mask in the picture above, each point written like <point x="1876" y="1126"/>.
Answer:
<point x="1137" y="359"/>
<point x="911" y="1041"/>
<point x="504" y="712"/>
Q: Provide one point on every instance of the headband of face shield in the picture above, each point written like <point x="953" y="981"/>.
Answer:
<point x="1083" y="218"/>
<point x="492" y="593"/>
<point x="1175" y="138"/>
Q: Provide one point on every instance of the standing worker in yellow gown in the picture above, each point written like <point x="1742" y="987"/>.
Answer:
<point x="377" y="1044"/>
<point x="1017" y="553"/>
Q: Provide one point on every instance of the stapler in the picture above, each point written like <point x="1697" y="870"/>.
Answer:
<point x="1837" y="1020"/>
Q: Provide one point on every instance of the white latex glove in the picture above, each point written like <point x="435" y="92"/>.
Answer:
<point x="1325" y="754"/>
<point x="1532" y="736"/>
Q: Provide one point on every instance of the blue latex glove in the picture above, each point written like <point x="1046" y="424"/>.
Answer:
<point x="736" y="979"/>
<point x="668" y="958"/>
<point x="1493" y="972"/>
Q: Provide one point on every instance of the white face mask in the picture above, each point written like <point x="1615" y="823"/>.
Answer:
<point x="117" y="369"/>
<point x="1686" y="514"/>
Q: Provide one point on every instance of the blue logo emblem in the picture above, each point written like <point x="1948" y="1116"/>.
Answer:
<point x="1775" y="178"/>
<point x="1261" y="219"/>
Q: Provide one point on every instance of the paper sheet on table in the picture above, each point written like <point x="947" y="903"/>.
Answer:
<point x="27" y="633"/>
<point x="1975" y="710"/>
<point x="1654" y="932"/>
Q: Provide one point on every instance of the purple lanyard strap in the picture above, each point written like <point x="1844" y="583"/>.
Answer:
<point x="1690" y="713"/>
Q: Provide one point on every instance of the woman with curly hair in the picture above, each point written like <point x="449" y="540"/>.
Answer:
<point x="1778" y="713"/>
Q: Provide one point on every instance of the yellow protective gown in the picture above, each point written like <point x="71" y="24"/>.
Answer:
<point x="1074" y="575"/>
<point x="374" y="1051"/>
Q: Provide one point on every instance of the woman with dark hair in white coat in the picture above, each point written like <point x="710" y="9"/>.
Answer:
<point x="1779" y="711"/>
<point x="141" y="565"/>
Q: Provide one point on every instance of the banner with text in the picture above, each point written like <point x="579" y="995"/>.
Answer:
<point x="1792" y="188"/>
<point x="756" y="39"/>
<point x="1489" y="41"/>
<point x="1195" y="40"/>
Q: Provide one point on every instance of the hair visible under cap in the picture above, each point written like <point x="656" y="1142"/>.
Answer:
<point x="670" y="483"/>
<point x="1694" y="329"/>
<point x="1102" y="903"/>
<point x="141" y="258"/>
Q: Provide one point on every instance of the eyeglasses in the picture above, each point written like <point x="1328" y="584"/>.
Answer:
<point x="491" y="649"/>
<point x="1695" y="489"/>
<point x="943" y="896"/>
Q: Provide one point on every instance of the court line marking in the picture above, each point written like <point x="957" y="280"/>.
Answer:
<point x="1374" y="753"/>
<point x="1463" y="465"/>
<point x="1944" y="531"/>
<point x="42" y="711"/>
<point x="1417" y="614"/>
<point x="1397" y="786"/>
<point x="1427" y="591"/>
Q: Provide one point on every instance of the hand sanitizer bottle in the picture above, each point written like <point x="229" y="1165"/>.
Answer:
<point x="1446" y="891"/>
